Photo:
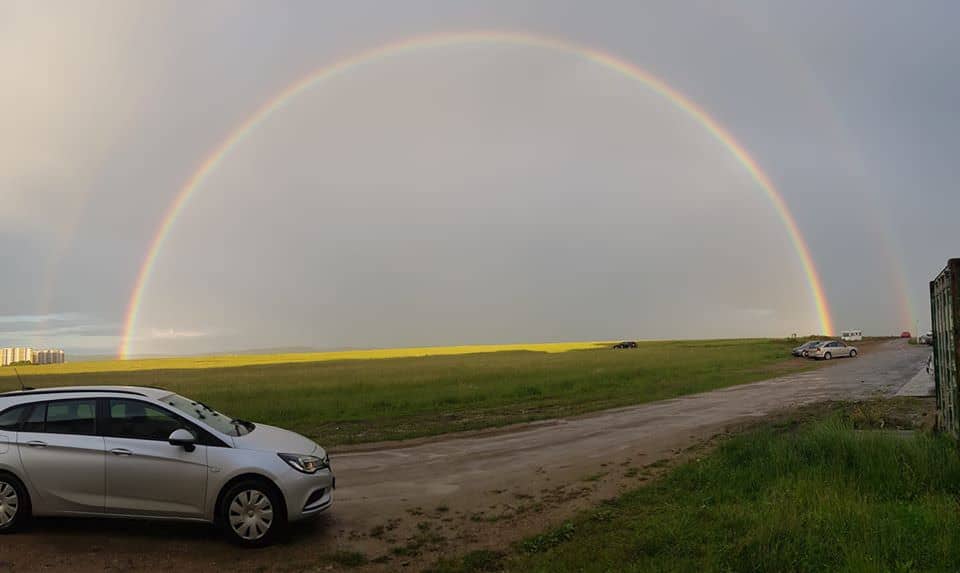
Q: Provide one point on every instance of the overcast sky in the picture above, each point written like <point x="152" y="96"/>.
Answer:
<point x="473" y="193"/>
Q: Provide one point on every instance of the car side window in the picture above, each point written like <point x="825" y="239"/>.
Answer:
<point x="73" y="417"/>
<point x="77" y="417"/>
<point x="141" y="421"/>
<point x="35" y="419"/>
<point x="10" y="419"/>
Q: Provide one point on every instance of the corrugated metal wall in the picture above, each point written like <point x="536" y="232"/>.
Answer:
<point x="944" y="308"/>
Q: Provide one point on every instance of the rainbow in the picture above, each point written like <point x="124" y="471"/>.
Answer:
<point x="605" y="60"/>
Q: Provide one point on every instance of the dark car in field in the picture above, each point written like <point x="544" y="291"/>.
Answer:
<point x="625" y="344"/>
<point x="805" y="348"/>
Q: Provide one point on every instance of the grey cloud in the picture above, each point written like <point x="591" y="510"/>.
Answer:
<point x="20" y="319"/>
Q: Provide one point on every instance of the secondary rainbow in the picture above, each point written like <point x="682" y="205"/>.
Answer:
<point x="196" y="180"/>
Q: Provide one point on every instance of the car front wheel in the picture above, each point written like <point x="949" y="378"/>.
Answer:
<point x="827" y="356"/>
<point x="252" y="513"/>
<point x="853" y="354"/>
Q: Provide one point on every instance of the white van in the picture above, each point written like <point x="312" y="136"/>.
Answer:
<point x="851" y="335"/>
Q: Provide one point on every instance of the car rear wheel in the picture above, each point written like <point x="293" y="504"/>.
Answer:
<point x="805" y="354"/>
<point x="853" y="354"/>
<point x="14" y="504"/>
<point x="252" y="513"/>
<point x="827" y="356"/>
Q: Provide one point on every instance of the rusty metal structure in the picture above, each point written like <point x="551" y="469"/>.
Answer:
<point x="945" y="313"/>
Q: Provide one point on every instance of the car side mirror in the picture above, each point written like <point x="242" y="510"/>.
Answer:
<point x="184" y="439"/>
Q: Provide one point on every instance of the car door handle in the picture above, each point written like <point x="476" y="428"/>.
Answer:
<point x="36" y="444"/>
<point x="121" y="452"/>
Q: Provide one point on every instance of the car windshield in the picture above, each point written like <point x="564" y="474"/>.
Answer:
<point x="200" y="411"/>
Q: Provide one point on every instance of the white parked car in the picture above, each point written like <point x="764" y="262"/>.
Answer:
<point x="125" y="451"/>
<point x="851" y="335"/>
<point x="833" y="349"/>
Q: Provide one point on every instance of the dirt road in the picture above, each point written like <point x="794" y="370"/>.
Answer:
<point x="403" y="507"/>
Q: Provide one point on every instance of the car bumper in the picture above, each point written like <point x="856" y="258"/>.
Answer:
<point x="309" y="495"/>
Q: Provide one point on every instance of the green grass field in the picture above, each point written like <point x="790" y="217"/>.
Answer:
<point x="343" y="401"/>
<point x="235" y="360"/>
<point x="824" y="496"/>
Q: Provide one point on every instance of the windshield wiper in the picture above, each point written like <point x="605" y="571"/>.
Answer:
<point x="245" y="423"/>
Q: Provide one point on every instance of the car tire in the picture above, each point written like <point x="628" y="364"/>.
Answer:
<point x="827" y="356"/>
<point x="14" y="504"/>
<point x="805" y="354"/>
<point x="853" y="354"/>
<point x="252" y="513"/>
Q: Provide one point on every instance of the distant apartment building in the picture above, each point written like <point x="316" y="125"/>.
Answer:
<point x="48" y="356"/>
<point x="18" y="354"/>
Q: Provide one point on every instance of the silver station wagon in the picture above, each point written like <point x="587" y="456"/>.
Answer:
<point x="832" y="349"/>
<point x="149" y="453"/>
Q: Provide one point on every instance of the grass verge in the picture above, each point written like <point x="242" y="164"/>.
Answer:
<point x="830" y="495"/>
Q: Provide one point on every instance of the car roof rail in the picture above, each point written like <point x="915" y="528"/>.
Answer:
<point x="67" y="391"/>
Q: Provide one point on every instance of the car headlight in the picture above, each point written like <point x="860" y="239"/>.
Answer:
<point x="306" y="464"/>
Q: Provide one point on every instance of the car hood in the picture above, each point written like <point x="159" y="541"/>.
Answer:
<point x="273" y="439"/>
